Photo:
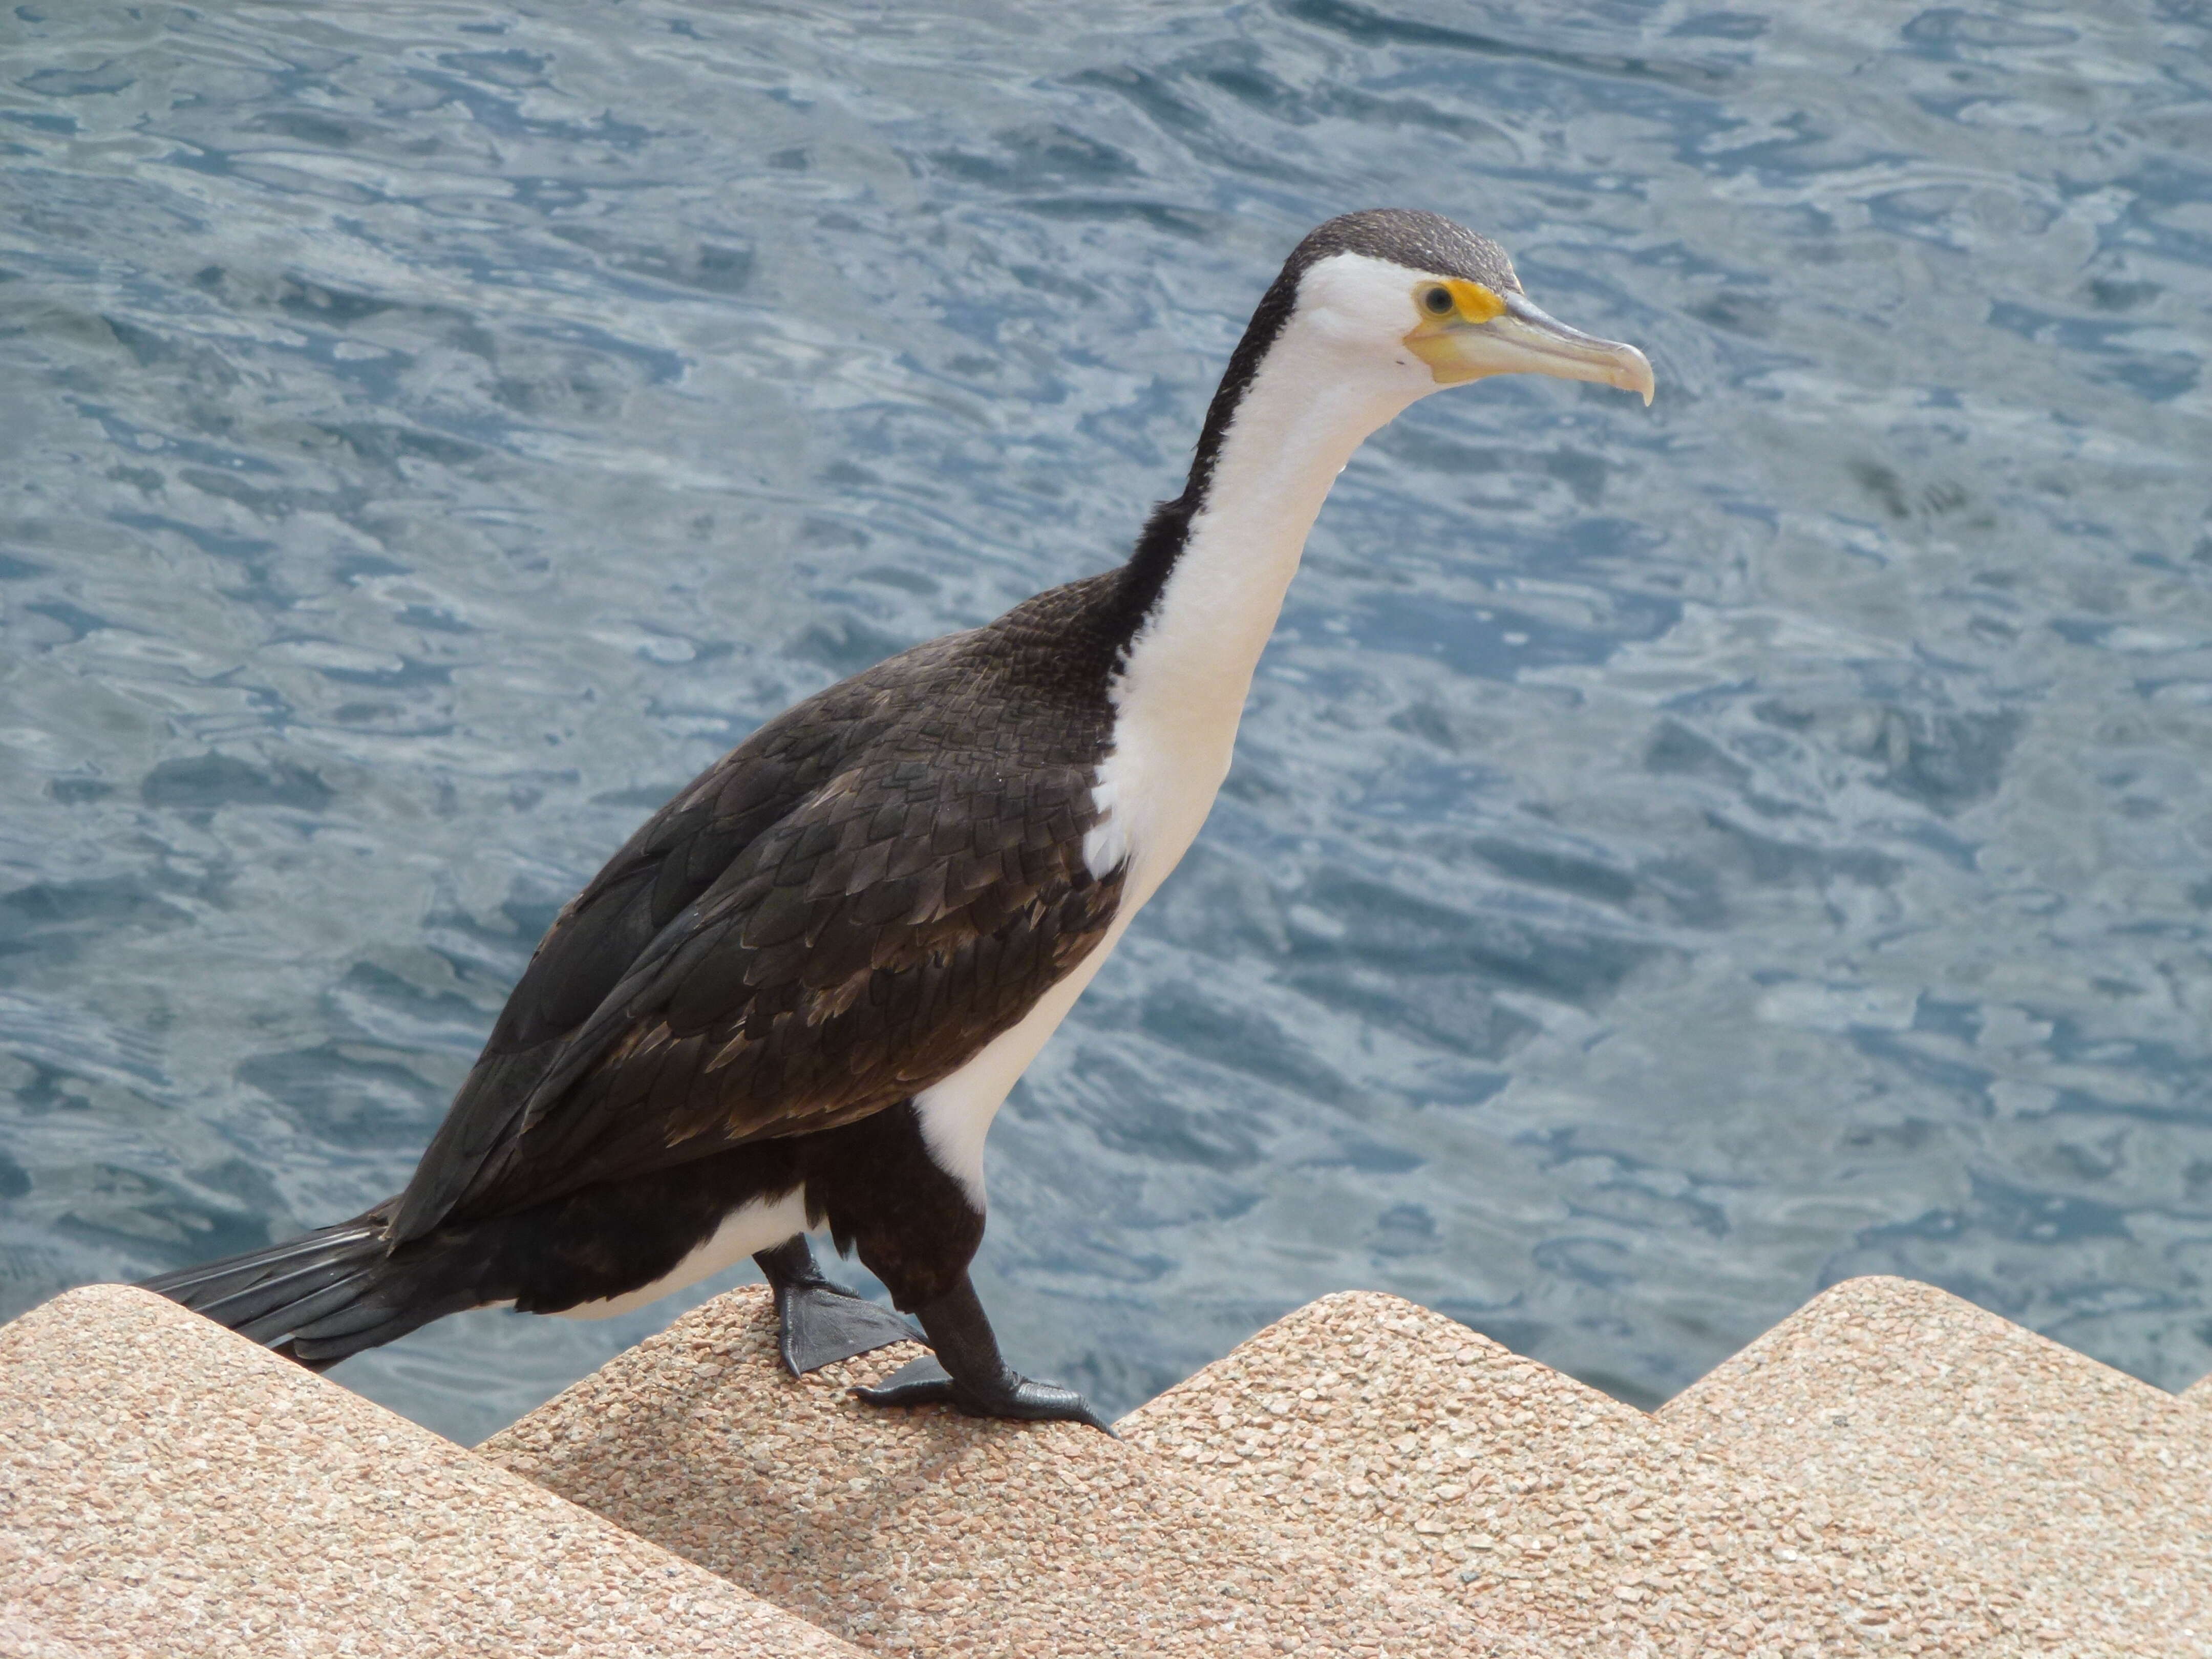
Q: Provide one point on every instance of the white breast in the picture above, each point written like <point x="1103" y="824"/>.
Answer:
<point x="1173" y="736"/>
<point x="1158" y="782"/>
<point x="1170" y="751"/>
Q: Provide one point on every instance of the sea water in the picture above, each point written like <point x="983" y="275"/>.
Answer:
<point x="1675" y="858"/>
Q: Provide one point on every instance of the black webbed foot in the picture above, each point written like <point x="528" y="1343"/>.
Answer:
<point x="819" y="1324"/>
<point x="923" y="1381"/>
<point x="966" y="1372"/>
<point x="822" y="1326"/>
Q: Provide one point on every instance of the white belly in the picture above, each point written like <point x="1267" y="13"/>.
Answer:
<point x="1156" y="787"/>
<point x="748" y="1229"/>
<point x="955" y="1114"/>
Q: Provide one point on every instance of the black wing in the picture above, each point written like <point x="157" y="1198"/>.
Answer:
<point x="840" y="914"/>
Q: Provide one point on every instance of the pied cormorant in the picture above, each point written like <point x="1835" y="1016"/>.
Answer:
<point x="799" y="993"/>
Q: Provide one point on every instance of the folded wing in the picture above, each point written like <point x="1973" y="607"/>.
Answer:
<point x="741" y="971"/>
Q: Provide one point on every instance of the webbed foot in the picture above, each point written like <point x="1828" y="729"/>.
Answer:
<point x="818" y="1323"/>
<point x="967" y="1373"/>
<point x="923" y="1381"/>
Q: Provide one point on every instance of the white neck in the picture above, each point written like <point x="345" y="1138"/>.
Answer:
<point x="1182" y="684"/>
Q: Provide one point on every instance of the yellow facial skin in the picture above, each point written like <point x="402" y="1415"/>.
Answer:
<point x="1467" y="331"/>
<point x="1471" y="302"/>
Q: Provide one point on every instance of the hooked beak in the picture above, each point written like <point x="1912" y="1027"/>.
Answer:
<point x="1523" y="340"/>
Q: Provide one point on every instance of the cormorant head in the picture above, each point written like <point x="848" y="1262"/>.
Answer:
<point x="1431" y="304"/>
<point x="1375" y="310"/>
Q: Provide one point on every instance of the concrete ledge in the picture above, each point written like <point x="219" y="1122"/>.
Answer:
<point x="1890" y="1470"/>
<point x="1433" y="1455"/>
<point x="922" y="1532"/>
<point x="2082" y="1495"/>
<point x="170" y="1490"/>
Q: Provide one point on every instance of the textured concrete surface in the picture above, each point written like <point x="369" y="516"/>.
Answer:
<point x="1890" y="1471"/>
<point x="2084" y="1494"/>
<point x="20" y="1639"/>
<point x="1433" y="1455"/>
<point x="923" y="1532"/>
<point x="168" y="1489"/>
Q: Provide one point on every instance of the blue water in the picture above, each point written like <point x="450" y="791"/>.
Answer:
<point x="1675" y="858"/>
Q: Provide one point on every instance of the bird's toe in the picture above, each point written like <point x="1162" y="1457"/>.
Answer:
<point x="920" y="1382"/>
<point x="1031" y="1402"/>
<point x="1009" y="1395"/>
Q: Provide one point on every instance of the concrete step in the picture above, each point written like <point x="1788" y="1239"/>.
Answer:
<point x="1890" y="1470"/>
<point x="168" y="1489"/>
<point x="923" y="1532"/>
<point x="2082" y="1496"/>
<point x="1431" y="1455"/>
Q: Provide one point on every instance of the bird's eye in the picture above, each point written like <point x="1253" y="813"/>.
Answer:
<point x="1437" y="301"/>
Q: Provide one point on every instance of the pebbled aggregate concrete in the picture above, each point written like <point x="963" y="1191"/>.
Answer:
<point x="2079" y="1492"/>
<point x="1434" y="1456"/>
<point x="919" y="1531"/>
<point x="167" y="1489"/>
<point x="1891" y="1471"/>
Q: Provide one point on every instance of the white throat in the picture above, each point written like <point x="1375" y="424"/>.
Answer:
<point x="1319" y="391"/>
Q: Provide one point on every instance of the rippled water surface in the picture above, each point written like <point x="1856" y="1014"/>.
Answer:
<point x="1675" y="858"/>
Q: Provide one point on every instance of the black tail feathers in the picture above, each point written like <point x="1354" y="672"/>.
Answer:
<point x="318" y="1298"/>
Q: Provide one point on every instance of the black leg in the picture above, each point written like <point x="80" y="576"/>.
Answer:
<point x="818" y="1322"/>
<point x="966" y="1371"/>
